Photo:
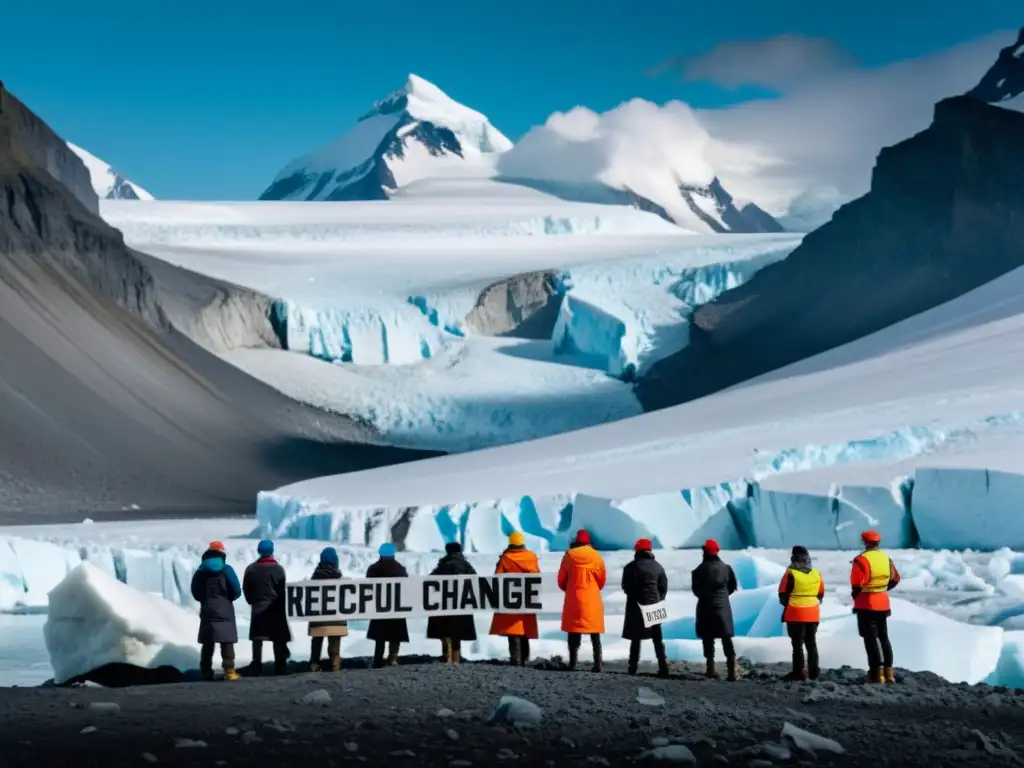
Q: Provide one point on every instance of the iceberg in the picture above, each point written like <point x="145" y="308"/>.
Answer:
<point x="593" y="334"/>
<point x="968" y="508"/>
<point x="95" y="620"/>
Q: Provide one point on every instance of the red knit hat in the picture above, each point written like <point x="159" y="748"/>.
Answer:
<point x="217" y="546"/>
<point x="871" y="537"/>
<point x="711" y="547"/>
<point x="642" y="545"/>
<point x="582" y="537"/>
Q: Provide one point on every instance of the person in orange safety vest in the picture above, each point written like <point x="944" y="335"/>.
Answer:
<point x="582" y="577"/>
<point x="801" y="591"/>
<point x="519" y="628"/>
<point x="872" y="577"/>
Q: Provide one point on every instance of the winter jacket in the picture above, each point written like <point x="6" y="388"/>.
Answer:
<point x="872" y="577"/>
<point x="516" y="560"/>
<point x="387" y="630"/>
<point x="215" y="588"/>
<point x="645" y="583"/>
<point x="582" y="577"/>
<point x="455" y="627"/>
<point x="801" y="591"/>
<point x="264" y="587"/>
<point x="327" y="628"/>
<point x="712" y="583"/>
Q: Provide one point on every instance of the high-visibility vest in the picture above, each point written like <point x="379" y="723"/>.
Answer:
<point x="805" y="588"/>
<point x="880" y="573"/>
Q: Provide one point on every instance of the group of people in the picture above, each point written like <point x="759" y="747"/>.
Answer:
<point x="581" y="576"/>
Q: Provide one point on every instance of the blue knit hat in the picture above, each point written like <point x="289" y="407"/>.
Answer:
<point x="329" y="555"/>
<point x="387" y="549"/>
<point x="265" y="548"/>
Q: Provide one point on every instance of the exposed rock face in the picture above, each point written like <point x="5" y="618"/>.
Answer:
<point x="1005" y="79"/>
<point x="524" y="306"/>
<point x="943" y="216"/>
<point x="28" y="140"/>
<point x="105" y="403"/>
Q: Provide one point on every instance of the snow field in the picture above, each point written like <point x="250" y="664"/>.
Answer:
<point x="135" y="607"/>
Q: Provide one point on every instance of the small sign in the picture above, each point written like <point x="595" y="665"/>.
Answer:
<point x="654" y="614"/>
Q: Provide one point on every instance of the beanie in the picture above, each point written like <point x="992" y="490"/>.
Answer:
<point x="265" y="548"/>
<point x="216" y="546"/>
<point x="516" y="539"/>
<point x="329" y="555"/>
<point x="711" y="547"/>
<point x="642" y="545"/>
<point x="387" y="549"/>
<point x="452" y="547"/>
<point x="799" y="551"/>
<point x="871" y="537"/>
<point x="582" y="537"/>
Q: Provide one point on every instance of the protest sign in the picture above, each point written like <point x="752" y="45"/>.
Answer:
<point x="416" y="597"/>
<point x="654" y="614"/>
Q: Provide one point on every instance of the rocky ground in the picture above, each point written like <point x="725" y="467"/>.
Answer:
<point x="427" y="714"/>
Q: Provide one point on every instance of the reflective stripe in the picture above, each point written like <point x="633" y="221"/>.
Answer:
<point x="805" y="588"/>
<point x="878" y="568"/>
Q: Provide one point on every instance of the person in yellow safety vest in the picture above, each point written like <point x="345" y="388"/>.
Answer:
<point x="872" y="577"/>
<point x="801" y="591"/>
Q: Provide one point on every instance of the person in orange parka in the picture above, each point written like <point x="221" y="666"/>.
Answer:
<point x="801" y="591"/>
<point x="582" y="576"/>
<point x="872" y="576"/>
<point x="519" y="628"/>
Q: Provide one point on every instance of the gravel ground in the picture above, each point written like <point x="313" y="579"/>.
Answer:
<point x="428" y="714"/>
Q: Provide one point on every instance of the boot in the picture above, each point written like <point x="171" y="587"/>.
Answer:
<point x="334" y="653"/>
<point x="446" y="650"/>
<point x="598" y="655"/>
<point x="711" y="673"/>
<point x="229" y="671"/>
<point x="378" y="654"/>
<point x="634" y="657"/>
<point x="206" y="674"/>
<point x="876" y="675"/>
<point x="256" y="667"/>
<point x="797" y="675"/>
<point x="889" y="674"/>
<point x="732" y="670"/>
<point x="515" y="656"/>
<point x="659" y="652"/>
<point x="456" y="655"/>
<point x="393" y="654"/>
<point x="524" y="651"/>
<point x="316" y="647"/>
<point x="574" y="656"/>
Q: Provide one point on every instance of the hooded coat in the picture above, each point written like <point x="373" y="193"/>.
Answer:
<point x="582" y="577"/>
<point x="712" y="582"/>
<point x="516" y="559"/>
<point x="264" y="587"/>
<point x="387" y="630"/>
<point x="462" y="627"/>
<point x="327" y="628"/>
<point x="215" y="587"/>
<point x="645" y="583"/>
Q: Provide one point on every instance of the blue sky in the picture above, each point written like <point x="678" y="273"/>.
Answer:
<point x="207" y="100"/>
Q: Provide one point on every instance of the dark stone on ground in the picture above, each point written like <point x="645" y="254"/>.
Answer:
<point x="402" y="717"/>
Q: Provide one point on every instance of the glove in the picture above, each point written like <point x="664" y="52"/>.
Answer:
<point x="855" y="591"/>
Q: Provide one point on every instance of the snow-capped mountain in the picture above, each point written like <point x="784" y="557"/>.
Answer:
<point x="108" y="183"/>
<point x="1003" y="84"/>
<point x="416" y="132"/>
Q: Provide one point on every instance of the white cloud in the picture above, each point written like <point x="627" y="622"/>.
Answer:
<point x="814" y="145"/>
<point x="780" y="63"/>
<point x="827" y="135"/>
<point x="637" y="145"/>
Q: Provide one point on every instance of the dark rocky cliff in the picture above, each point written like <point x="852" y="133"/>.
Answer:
<point x="945" y="214"/>
<point x="107" y="407"/>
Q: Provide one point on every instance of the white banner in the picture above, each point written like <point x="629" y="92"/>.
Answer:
<point x="419" y="596"/>
<point x="654" y="614"/>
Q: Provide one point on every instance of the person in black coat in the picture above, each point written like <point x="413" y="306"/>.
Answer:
<point x="712" y="583"/>
<point x="327" y="568"/>
<point x="215" y="587"/>
<point x="452" y="630"/>
<point x="645" y="583"/>
<point x="264" y="587"/>
<point x="393" y="632"/>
